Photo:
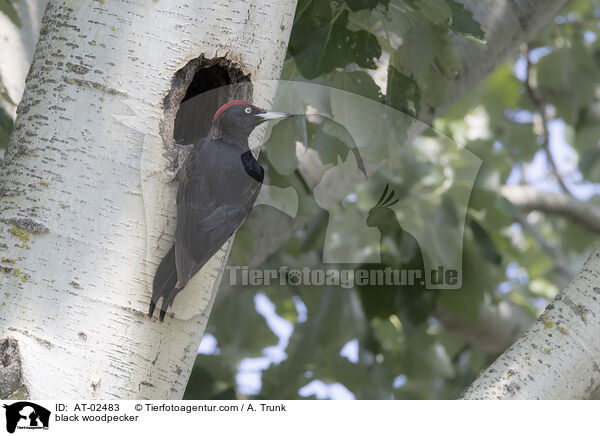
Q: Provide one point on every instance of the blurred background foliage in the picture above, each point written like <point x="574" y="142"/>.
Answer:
<point x="329" y="342"/>
<point x="534" y="122"/>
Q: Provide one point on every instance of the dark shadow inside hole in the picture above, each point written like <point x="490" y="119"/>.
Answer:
<point x="209" y="83"/>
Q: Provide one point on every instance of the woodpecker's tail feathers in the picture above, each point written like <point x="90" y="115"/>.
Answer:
<point x="164" y="284"/>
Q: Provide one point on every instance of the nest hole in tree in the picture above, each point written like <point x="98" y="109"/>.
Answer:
<point x="198" y="90"/>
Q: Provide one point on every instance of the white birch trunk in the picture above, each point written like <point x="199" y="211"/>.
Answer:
<point x="559" y="356"/>
<point x="86" y="212"/>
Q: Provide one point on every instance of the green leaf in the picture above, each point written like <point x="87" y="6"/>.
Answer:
<point x="357" y="82"/>
<point x="464" y="24"/>
<point x="6" y="126"/>
<point x="9" y="10"/>
<point x="242" y="245"/>
<point x="280" y="148"/>
<point x="333" y="141"/>
<point x="211" y="379"/>
<point x="404" y="16"/>
<point x="417" y="51"/>
<point x="502" y="89"/>
<point x="321" y="42"/>
<point x="486" y="245"/>
<point x="239" y="343"/>
<point x="587" y="135"/>
<point x="568" y="78"/>
<point x="589" y="164"/>
<point x="4" y="94"/>
<point x="464" y="302"/>
<point x="437" y="11"/>
<point x="434" y="86"/>
<point x="519" y="140"/>
<point x="290" y="69"/>
<point x="447" y="58"/>
<point x="402" y="92"/>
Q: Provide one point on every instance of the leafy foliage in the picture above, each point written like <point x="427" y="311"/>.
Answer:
<point x="321" y="40"/>
<point x="327" y="36"/>
<point x="387" y="341"/>
<point x="463" y="23"/>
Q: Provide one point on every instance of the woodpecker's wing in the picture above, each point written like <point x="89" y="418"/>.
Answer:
<point x="212" y="203"/>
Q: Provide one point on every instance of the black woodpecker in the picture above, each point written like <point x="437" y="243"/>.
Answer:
<point x="219" y="182"/>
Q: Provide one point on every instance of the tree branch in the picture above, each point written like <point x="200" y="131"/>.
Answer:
<point x="540" y="103"/>
<point x="507" y="24"/>
<point x="564" y="205"/>
<point x="496" y="328"/>
<point x="557" y="358"/>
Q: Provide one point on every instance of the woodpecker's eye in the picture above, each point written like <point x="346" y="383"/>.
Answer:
<point x="248" y="110"/>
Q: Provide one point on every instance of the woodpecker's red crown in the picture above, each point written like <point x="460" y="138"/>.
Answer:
<point x="229" y="104"/>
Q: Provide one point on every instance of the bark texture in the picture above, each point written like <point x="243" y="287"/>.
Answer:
<point x="87" y="211"/>
<point x="558" y="357"/>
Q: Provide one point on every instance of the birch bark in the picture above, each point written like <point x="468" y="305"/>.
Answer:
<point x="557" y="358"/>
<point x="86" y="210"/>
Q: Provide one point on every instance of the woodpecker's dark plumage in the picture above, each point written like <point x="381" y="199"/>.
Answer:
<point x="219" y="182"/>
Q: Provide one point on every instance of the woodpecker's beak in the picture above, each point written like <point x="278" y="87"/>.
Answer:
<point x="272" y="115"/>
